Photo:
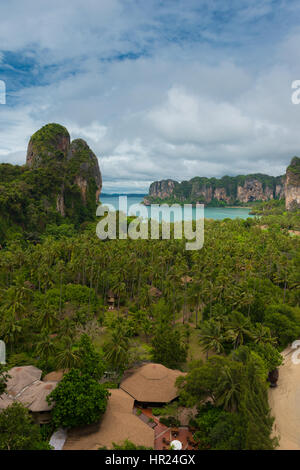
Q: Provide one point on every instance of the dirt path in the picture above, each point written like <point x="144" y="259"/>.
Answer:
<point x="285" y="403"/>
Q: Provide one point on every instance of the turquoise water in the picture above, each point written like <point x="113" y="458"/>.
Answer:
<point x="216" y="213"/>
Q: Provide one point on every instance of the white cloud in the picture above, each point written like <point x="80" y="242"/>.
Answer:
<point x="210" y="104"/>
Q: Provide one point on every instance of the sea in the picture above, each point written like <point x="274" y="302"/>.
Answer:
<point x="215" y="213"/>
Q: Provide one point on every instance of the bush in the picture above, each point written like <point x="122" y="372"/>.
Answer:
<point x="169" y="421"/>
<point x="18" y="432"/>
<point x="79" y="400"/>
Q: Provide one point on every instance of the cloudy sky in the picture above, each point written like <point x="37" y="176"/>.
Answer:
<point x="159" y="89"/>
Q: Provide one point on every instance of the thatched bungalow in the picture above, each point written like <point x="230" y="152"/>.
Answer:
<point x="154" y="292"/>
<point x="111" y="300"/>
<point x="118" y="424"/>
<point x="25" y="386"/>
<point x="55" y="376"/>
<point x="34" y="398"/>
<point x="186" y="279"/>
<point x="20" y="378"/>
<point x="151" y="384"/>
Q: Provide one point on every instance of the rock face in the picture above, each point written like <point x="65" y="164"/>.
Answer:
<point x="72" y="166"/>
<point x="162" y="189"/>
<point x="85" y="165"/>
<point x="50" y="142"/>
<point x="213" y="191"/>
<point x="292" y="185"/>
<point x="253" y="190"/>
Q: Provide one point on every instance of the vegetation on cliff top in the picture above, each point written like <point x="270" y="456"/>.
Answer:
<point x="29" y="194"/>
<point x="189" y="191"/>
<point x="293" y="171"/>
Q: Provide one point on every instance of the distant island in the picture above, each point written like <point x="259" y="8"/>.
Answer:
<point x="230" y="190"/>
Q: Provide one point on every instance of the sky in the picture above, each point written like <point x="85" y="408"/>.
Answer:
<point x="158" y="89"/>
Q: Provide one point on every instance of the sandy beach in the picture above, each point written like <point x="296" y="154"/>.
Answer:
<point x="285" y="403"/>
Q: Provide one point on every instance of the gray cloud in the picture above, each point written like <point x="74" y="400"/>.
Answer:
<point x="155" y="98"/>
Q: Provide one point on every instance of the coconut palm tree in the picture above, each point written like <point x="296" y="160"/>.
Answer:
<point x="116" y="350"/>
<point x="68" y="356"/>
<point x="229" y="389"/>
<point x="262" y="335"/>
<point x="212" y="337"/>
<point x="45" y="346"/>
<point x="239" y="328"/>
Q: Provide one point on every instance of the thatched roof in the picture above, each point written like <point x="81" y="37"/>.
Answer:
<point x="25" y="386"/>
<point x="154" y="292"/>
<point x="118" y="424"/>
<point x="186" y="279"/>
<point x="55" y="376"/>
<point x="152" y="383"/>
<point x="34" y="397"/>
<point x="21" y="377"/>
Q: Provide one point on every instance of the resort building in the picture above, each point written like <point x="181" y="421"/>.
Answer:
<point x="151" y="384"/>
<point x="25" y="386"/>
<point x="118" y="424"/>
<point x="145" y="386"/>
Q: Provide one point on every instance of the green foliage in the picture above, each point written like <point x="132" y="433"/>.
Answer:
<point x="238" y="389"/>
<point x="270" y="355"/>
<point x="79" y="400"/>
<point x="17" y="430"/>
<point x="128" y="445"/>
<point x="194" y="190"/>
<point x="169" y="421"/>
<point x="90" y="361"/>
<point x="29" y="196"/>
<point x="283" y="322"/>
<point x="116" y="350"/>
<point x="167" y="345"/>
<point x="244" y="297"/>
<point x="4" y="376"/>
<point x="219" y="430"/>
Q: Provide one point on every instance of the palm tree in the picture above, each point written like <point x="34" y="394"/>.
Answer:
<point x="116" y="350"/>
<point x="229" y="389"/>
<point x="262" y="335"/>
<point x="11" y="328"/>
<point x="239" y="328"/>
<point x="67" y="357"/>
<point x="45" y="347"/>
<point x="212" y="337"/>
<point x="47" y="317"/>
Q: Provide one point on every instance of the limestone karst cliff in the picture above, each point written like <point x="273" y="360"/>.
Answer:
<point x="227" y="190"/>
<point x="292" y="185"/>
<point x="77" y="166"/>
<point x="60" y="180"/>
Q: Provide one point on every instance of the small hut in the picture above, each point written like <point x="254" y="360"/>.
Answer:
<point x="25" y="386"/>
<point x="111" y="300"/>
<point x="34" y="398"/>
<point x="152" y="384"/>
<point x="20" y="378"/>
<point x="186" y="279"/>
<point x="154" y="292"/>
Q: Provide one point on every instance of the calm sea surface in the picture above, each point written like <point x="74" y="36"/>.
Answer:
<point x="216" y="213"/>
